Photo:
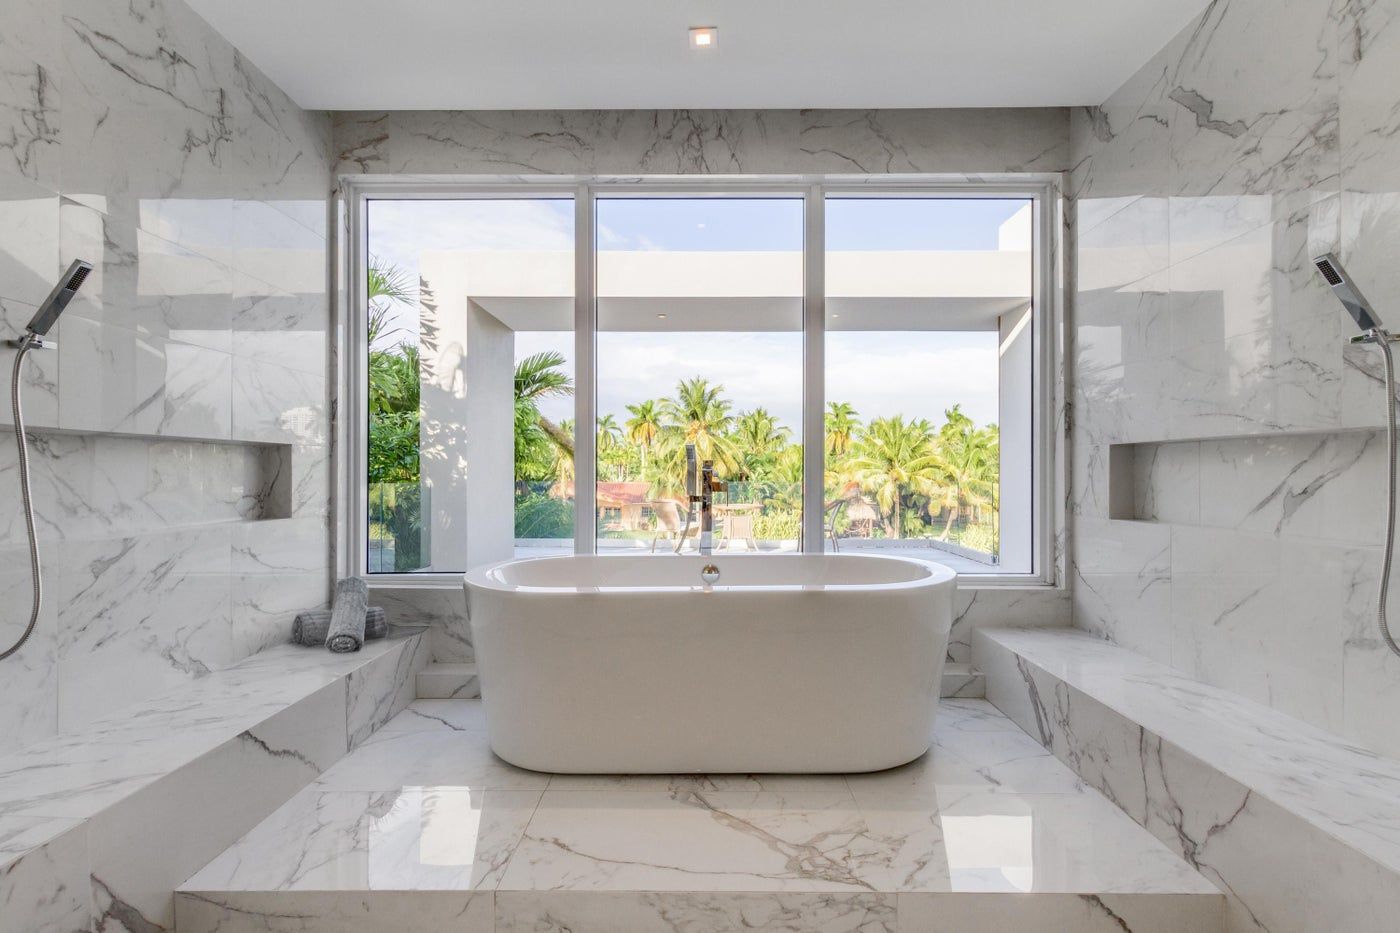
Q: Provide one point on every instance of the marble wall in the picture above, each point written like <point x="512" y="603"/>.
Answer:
<point x="190" y="380"/>
<point x="954" y="143"/>
<point x="1262" y="135"/>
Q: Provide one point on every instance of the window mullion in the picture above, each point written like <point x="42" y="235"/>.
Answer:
<point x="814" y="372"/>
<point x="585" y="375"/>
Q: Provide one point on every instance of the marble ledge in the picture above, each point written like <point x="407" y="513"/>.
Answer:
<point x="76" y="775"/>
<point x="179" y="777"/>
<point x="1297" y="826"/>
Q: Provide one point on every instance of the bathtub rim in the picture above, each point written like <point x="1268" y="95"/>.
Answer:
<point x="488" y="577"/>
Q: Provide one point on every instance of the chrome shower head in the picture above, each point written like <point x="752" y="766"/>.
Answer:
<point x="58" y="299"/>
<point x="1356" y="304"/>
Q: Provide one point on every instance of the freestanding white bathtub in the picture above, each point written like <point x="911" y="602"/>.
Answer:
<point x="788" y="663"/>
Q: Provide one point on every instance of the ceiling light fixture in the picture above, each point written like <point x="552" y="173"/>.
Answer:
<point x="704" y="37"/>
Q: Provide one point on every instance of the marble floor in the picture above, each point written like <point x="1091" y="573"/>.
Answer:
<point x="423" y="825"/>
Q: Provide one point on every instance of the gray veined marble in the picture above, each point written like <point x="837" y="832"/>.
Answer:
<point x="676" y="142"/>
<point x="135" y="137"/>
<point x="1259" y="137"/>
<point x="937" y="839"/>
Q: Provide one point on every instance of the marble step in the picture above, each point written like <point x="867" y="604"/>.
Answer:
<point x="448" y="681"/>
<point x="422" y="828"/>
<point x="961" y="680"/>
<point x="104" y="822"/>
<point x="1299" y="827"/>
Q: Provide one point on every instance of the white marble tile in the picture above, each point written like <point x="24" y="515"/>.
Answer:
<point x="626" y="912"/>
<point x="449" y="681"/>
<point x="138" y="616"/>
<point x="679" y="142"/>
<point x="82" y="772"/>
<point x="443" y="610"/>
<point x="408" y="839"/>
<point x="40" y="376"/>
<point x="377" y="691"/>
<point x="1257" y="802"/>
<point x="971" y="840"/>
<point x="114" y="379"/>
<point x="279" y="568"/>
<point x="44" y="875"/>
<point x="336" y="912"/>
<point x="190" y="815"/>
<point x="271" y="247"/>
<point x="440" y="715"/>
<point x="32" y="672"/>
<point x="656" y="841"/>
<point x="1341" y="788"/>
<point x="277" y="326"/>
<point x="29" y="240"/>
<point x="272" y="403"/>
<point x="1083" y="913"/>
<point x="390" y="760"/>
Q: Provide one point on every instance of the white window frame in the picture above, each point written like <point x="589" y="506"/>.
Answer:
<point x="352" y="414"/>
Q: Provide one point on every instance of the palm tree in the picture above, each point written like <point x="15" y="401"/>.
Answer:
<point x="892" y="458"/>
<point x="699" y="415"/>
<point x="385" y="285"/>
<point x="968" y="465"/>
<point x="538" y="377"/>
<point x="643" y="427"/>
<point x="841" y="425"/>
<point x="564" y="465"/>
<point x="761" y="438"/>
<point x="609" y="434"/>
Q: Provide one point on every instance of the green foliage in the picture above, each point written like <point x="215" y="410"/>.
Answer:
<point x="980" y="537"/>
<point x="394" y="380"/>
<point x="778" y="525"/>
<point x="398" y="510"/>
<point x="542" y="516"/>
<point x="393" y="448"/>
<point x="542" y="449"/>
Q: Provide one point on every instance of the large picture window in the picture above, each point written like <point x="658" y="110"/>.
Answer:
<point x="862" y="369"/>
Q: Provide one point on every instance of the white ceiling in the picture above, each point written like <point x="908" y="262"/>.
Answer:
<point x="622" y="54"/>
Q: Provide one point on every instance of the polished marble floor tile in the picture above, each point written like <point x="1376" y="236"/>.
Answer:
<point x="413" y="839"/>
<point x="439" y="758"/>
<point x="424" y="806"/>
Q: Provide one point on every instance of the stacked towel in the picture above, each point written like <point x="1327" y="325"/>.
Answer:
<point x="348" y="614"/>
<point x="312" y="626"/>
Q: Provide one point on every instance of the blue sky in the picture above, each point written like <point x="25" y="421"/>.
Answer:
<point x="917" y="374"/>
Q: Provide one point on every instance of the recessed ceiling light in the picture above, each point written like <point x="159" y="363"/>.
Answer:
<point x="704" y="37"/>
<point x="661" y="317"/>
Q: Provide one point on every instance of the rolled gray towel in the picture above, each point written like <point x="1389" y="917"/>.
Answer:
<point x="312" y="626"/>
<point x="348" y="612"/>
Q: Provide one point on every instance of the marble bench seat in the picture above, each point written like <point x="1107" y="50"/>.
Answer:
<point x="98" y="826"/>
<point x="1301" y="829"/>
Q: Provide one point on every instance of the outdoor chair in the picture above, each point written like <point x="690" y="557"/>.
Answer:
<point x="670" y="524"/>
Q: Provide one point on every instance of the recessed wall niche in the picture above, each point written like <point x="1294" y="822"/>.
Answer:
<point x="100" y="484"/>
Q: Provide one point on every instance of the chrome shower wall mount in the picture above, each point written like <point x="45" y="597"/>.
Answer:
<point x="1372" y="332"/>
<point x="33" y="339"/>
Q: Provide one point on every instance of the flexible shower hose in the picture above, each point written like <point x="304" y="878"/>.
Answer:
<point x="24" y="347"/>
<point x="1383" y="339"/>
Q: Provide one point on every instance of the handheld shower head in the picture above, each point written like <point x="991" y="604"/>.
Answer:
<point x="1356" y="304"/>
<point x="58" y="299"/>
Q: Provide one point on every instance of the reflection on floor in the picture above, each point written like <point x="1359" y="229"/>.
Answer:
<point x="423" y="828"/>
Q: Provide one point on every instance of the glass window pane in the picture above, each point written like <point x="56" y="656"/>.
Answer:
<point x="471" y="309"/>
<point x="928" y="379"/>
<point x="699" y="342"/>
